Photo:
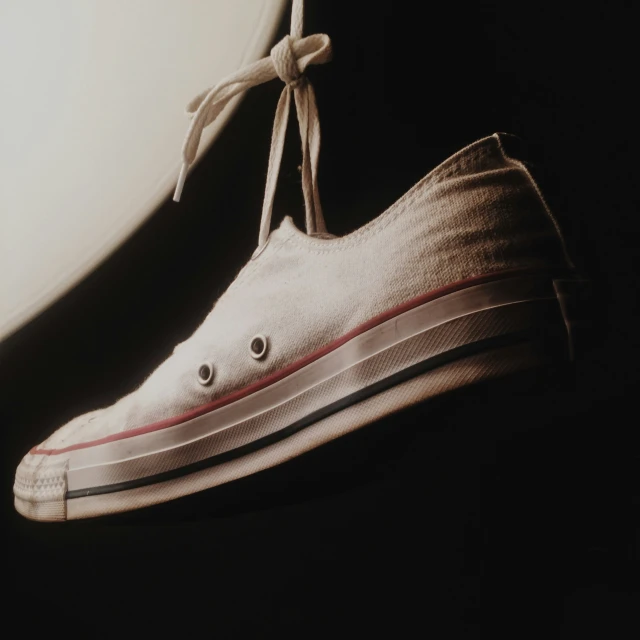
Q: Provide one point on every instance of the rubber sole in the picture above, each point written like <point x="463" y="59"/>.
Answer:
<point x="475" y="334"/>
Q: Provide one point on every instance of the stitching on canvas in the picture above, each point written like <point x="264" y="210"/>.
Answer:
<point x="441" y="172"/>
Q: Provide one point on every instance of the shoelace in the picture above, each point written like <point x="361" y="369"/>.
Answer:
<point x="288" y="61"/>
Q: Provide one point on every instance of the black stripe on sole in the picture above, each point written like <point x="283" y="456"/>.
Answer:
<point x="417" y="369"/>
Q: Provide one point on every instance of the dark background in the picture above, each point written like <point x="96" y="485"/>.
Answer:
<point x="512" y="505"/>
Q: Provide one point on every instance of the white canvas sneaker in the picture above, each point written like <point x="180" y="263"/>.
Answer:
<point x="465" y="278"/>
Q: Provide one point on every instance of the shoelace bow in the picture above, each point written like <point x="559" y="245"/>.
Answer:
<point x="288" y="61"/>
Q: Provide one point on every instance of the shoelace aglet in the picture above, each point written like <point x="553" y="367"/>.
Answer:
<point x="181" y="178"/>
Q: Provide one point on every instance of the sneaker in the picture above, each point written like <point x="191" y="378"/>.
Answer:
<point x="465" y="278"/>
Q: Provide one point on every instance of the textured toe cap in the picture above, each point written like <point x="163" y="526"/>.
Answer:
<point x="40" y="487"/>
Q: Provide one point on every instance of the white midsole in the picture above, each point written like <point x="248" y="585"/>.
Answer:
<point x="87" y="466"/>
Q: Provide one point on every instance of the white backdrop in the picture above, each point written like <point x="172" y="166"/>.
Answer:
<point x="92" y="119"/>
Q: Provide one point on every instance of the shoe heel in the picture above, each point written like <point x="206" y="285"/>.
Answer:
<point x="573" y="297"/>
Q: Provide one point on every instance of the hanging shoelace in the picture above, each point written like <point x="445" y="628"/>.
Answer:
<point x="288" y="61"/>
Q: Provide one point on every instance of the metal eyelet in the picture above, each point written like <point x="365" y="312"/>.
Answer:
<point x="258" y="346"/>
<point x="205" y="373"/>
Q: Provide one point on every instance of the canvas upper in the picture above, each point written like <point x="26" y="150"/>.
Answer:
<point x="477" y="213"/>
